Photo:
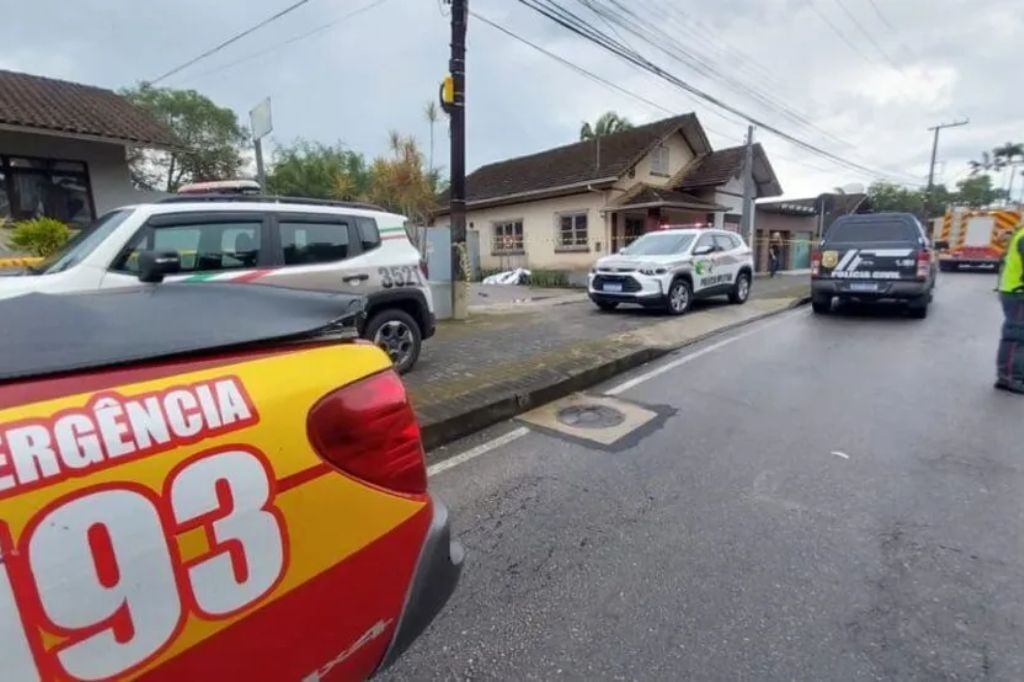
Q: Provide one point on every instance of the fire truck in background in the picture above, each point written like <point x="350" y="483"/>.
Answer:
<point x="969" y="236"/>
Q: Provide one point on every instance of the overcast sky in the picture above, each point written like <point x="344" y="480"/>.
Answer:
<point x="905" y="65"/>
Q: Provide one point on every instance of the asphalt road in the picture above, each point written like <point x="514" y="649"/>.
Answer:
<point x="727" y="540"/>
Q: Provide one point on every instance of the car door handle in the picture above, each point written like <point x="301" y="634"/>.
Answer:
<point x="355" y="278"/>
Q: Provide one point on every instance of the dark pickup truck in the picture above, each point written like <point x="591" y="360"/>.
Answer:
<point x="874" y="257"/>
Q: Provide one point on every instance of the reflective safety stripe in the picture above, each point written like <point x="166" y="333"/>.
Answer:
<point x="1012" y="278"/>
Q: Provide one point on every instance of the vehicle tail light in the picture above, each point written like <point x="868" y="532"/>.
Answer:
<point x="368" y="430"/>
<point x="815" y="262"/>
<point x="924" y="263"/>
<point x="425" y="269"/>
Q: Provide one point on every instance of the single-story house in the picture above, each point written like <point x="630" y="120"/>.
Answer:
<point x="563" y="208"/>
<point x="63" y="148"/>
<point x="800" y="223"/>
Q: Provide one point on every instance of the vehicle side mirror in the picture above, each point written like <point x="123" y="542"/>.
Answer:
<point x="702" y="250"/>
<point x="155" y="265"/>
<point x="941" y="244"/>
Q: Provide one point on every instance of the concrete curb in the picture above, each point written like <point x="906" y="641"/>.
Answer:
<point x="489" y="408"/>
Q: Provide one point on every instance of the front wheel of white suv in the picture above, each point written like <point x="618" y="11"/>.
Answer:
<point x="741" y="290"/>
<point x="680" y="296"/>
<point x="397" y="334"/>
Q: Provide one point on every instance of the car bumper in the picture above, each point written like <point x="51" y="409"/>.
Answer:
<point x="898" y="289"/>
<point x="437" y="574"/>
<point x="651" y="300"/>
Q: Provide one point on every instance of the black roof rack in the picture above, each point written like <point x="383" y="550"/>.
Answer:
<point x="261" y="198"/>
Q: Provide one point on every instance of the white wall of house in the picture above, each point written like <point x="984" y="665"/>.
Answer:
<point x="106" y="162"/>
<point x="540" y="233"/>
<point x="731" y="195"/>
<point x="679" y="155"/>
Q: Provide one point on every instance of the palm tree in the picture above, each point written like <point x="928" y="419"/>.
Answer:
<point x="1012" y="155"/>
<point x="986" y="164"/>
<point x="608" y="123"/>
<point x="431" y="114"/>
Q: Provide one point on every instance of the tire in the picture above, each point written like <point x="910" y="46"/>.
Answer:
<point x="741" y="290"/>
<point x="607" y="306"/>
<point x="821" y="304"/>
<point x="397" y="334"/>
<point x="680" y="297"/>
<point x="918" y="309"/>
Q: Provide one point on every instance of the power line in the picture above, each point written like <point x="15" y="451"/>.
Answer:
<point x="603" y="40"/>
<point x="867" y="34"/>
<point x="229" y="41"/>
<point x="584" y="72"/>
<point x="893" y="30"/>
<point x="878" y="11"/>
<point x="319" y="29"/>
<point x="614" y="86"/>
<point x="842" y="36"/>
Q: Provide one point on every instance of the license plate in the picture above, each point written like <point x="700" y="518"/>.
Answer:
<point x="612" y="286"/>
<point x="863" y="286"/>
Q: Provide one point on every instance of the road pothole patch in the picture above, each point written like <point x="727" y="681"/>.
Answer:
<point x="597" y="419"/>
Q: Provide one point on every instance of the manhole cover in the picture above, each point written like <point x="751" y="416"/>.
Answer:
<point x="590" y="416"/>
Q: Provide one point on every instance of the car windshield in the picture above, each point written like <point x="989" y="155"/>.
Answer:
<point x="663" y="244"/>
<point x="82" y="244"/>
<point x="872" y="231"/>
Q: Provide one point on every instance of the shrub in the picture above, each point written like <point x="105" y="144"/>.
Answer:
<point x="40" y="236"/>
<point x="554" y="279"/>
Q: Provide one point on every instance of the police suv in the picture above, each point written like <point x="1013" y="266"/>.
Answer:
<point x="671" y="268"/>
<point x="874" y="257"/>
<point x="343" y="247"/>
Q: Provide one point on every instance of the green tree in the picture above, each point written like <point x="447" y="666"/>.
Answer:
<point x="318" y="171"/>
<point x="608" y="123"/>
<point x="399" y="182"/>
<point x="886" y="196"/>
<point x="210" y="136"/>
<point x="977" y="192"/>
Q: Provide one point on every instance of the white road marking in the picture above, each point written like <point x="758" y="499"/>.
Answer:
<point x="473" y="453"/>
<point x="837" y="453"/>
<point x="668" y="367"/>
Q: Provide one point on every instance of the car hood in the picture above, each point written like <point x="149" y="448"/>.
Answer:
<point x="18" y="284"/>
<point x="625" y="262"/>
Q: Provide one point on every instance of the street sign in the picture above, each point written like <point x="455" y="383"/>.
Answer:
<point x="260" y="121"/>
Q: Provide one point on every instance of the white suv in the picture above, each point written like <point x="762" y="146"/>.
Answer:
<point x="672" y="267"/>
<point x="298" y="243"/>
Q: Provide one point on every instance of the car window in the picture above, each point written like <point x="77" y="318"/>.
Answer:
<point x="658" y="244"/>
<point x="705" y="240"/>
<point x="724" y="242"/>
<point x="369" y="235"/>
<point x="202" y="247"/>
<point x="307" y="243"/>
<point x="883" y="230"/>
<point x="82" y="244"/>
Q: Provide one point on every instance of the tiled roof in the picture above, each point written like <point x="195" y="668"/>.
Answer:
<point x="718" y="167"/>
<point x="648" y="195"/>
<point x="60" y="106"/>
<point x="577" y="163"/>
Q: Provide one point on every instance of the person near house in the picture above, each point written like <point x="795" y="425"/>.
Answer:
<point x="1010" y="358"/>
<point x="774" y="253"/>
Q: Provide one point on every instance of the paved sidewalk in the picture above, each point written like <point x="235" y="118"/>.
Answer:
<point x="506" y="358"/>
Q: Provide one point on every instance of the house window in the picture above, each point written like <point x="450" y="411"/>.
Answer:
<point x="31" y="187"/>
<point x="508" y="237"/>
<point x="659" y="160"/>
<point x="572" y="231"/>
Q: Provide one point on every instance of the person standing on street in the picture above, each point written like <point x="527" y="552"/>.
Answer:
<point x="1010" y="359"/>
<point x="774" y="253"/>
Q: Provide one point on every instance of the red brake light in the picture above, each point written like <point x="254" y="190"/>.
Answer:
<point x="368" y="430"/>
<point x="815" y="262"/>
<point x="924" y="263"/>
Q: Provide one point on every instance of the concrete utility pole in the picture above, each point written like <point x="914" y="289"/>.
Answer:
<point x="457" y="110"/>
<point x="935" y="149"/>
<point x="747" y="217"/>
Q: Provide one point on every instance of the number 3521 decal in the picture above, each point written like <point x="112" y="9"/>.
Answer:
<point x="99" y="569"/>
